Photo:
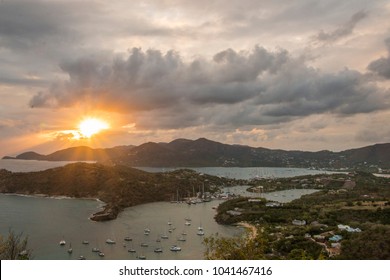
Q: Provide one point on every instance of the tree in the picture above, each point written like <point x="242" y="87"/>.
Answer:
<point x="371" y="244"/>
<point x="236" y="248"/>
<point x="14" y="247"/>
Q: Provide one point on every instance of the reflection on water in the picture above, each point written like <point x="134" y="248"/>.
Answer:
<point x="47" y="221"/>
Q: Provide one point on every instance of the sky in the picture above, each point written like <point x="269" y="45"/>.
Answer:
<point x="294" y="75"/>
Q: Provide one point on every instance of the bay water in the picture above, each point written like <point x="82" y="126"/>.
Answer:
<point x="46" y="221"/>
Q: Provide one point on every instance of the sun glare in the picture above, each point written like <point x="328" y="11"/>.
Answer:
<point x="92" y="126"/>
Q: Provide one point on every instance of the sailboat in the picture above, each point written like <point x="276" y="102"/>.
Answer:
<point x="177" y="197"/>
<point x="158" y="249"/>
<point x="95" y="250"/>
<point x="62" y="242"/>
<point x="131" y="250"/>
<point x="147" y="231"/>
<point x="70" y="250"/>
<point x="182" y="239"/>
<point x="110" y="241"/>
<point x="175" y="248"/>
<point x="200" y="230"/>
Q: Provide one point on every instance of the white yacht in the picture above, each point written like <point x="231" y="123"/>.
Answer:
<point x="175" y="248"/>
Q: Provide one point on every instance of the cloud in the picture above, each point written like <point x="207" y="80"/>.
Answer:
<point x="234" y="88"/>
<point x="194" y="67"/>
<point x="381" y="66"/>
<point x="342" y="31"/>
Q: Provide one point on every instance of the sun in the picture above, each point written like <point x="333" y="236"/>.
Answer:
<point x="91" y="126"/>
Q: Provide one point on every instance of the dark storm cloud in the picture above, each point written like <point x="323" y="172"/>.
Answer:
<point x="234" y="88"/>
<point x="303" y="91"/>
<point x="343" y="30"/>
<point x="381" y="66"/>
<point x="32" y="24"/>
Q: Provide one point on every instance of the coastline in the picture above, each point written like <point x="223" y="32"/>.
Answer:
<point x="250" y="229"/>
<point x="39" y="195"/>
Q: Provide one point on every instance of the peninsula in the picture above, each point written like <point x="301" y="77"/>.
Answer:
<point x="117" y="186"/>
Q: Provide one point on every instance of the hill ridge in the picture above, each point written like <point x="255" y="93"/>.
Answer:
<point x="203" y="152"/>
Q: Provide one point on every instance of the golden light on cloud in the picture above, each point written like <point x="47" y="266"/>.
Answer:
<point x="91" y="126"/>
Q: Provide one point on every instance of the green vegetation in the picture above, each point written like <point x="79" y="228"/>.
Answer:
<point x="372" y="244"/>
<point x="358" y="202"/>
<point x="237" y="248"/>
<point x="14" y="247"/>
<point x="118" y="186"/>
<point x="207" y="153"/>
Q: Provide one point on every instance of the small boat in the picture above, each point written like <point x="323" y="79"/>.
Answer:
<point x="187" y="223"/>
<point x="131" y="250"/>
<point x="82" y="258"/>
<point x="85" y="242"/>
<point x="164" y="236"/>
<point x="147" y="230"/>
<point x="182" y="239"/>
<point x="158" y="250"/>
<point x="110" y="241"/>
<point x="184" y="233"/>
<point x="70" y="250"/>
<point x="95" y="250"/>
<point x="101" y="254"/>
<point x="62" y="242"/>
<point x="175" y="248"/>
<point x="200" y="232"/>
<point x="128" y="238"/>
<point x="142" y="257"/>
<point x="144" y="245"/>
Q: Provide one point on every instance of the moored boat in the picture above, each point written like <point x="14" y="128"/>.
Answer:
<point x="175" y="248"/>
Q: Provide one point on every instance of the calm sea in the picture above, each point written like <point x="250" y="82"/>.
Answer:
<point x="47" y="220"/>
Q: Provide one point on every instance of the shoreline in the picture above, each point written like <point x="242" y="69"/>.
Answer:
<point x="59" y="197"/>
<point x="251" y="230"/>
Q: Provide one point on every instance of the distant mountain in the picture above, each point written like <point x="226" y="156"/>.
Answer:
<point x="204" y="152"/>
<point x="82" y="153"/>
